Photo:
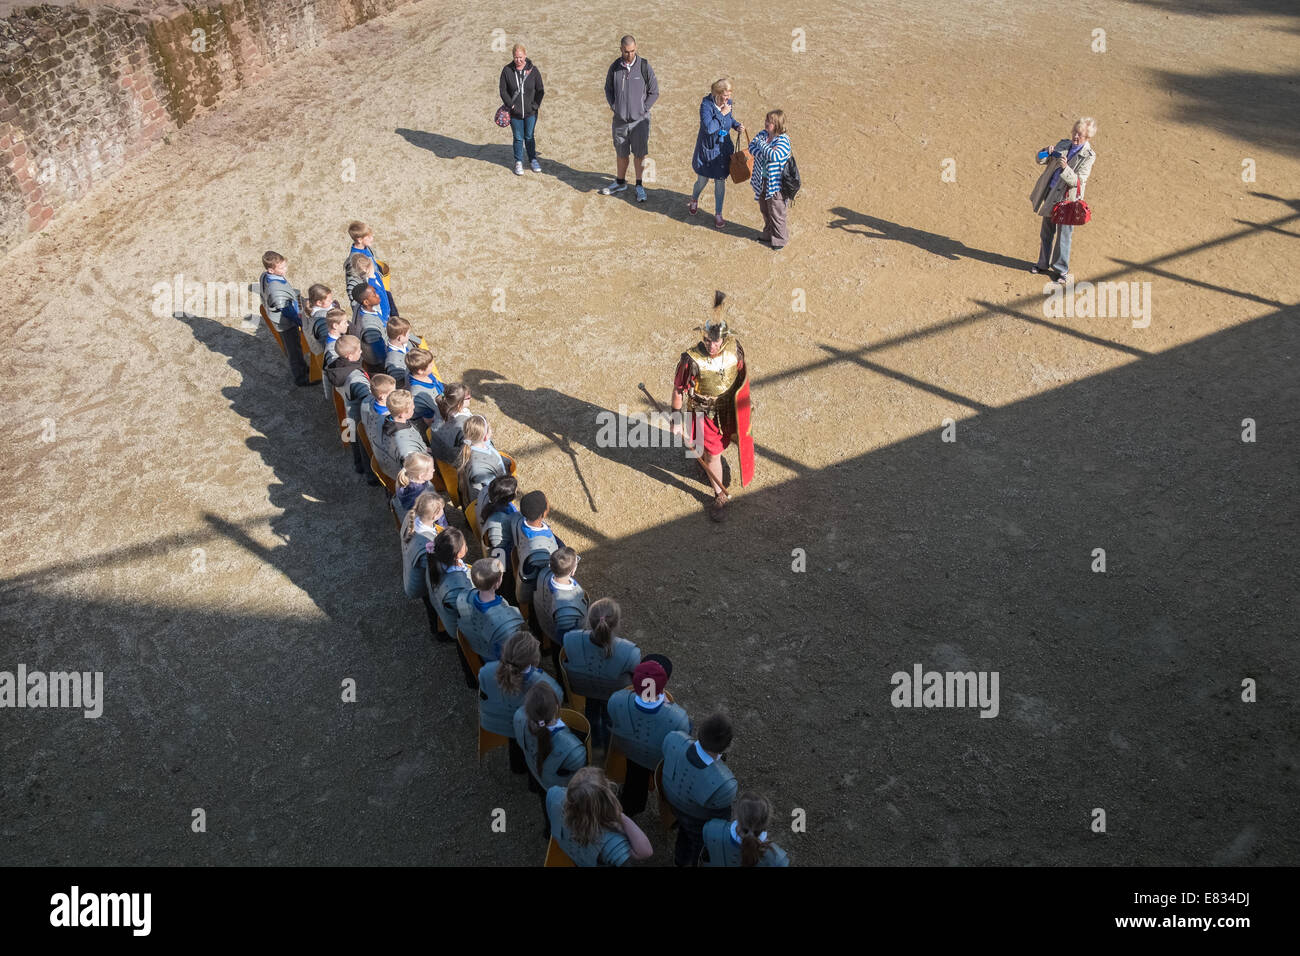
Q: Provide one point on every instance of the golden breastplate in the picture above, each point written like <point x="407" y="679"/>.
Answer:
<point x="715" y="374"/>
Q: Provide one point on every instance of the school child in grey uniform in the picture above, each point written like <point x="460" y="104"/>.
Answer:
<point x="320" y="302"/>
<point x="400" y="435"/>
<point x="369" y="321"/>
<point x="283" y="304"/>
<point x="420" y="528"/>
<point x="373" y="414"/>
<point x="599" y="664"/>
<point x="336" y="326"/>
<point x="424" y="385"/>
<point x="398" y="341"/>
<point x="502" y="685"/>
<point x="346" y="376"/>
<point x="639" y="720"/>
<point x="496" y="517"/>
<point x="447" y="579"/>
<point x="534" y="542"/>
<point x="552" y="751"/>
<point x="589" y="826"/>
<point x="698" y="785"/>
<point x="559" y="602"/>
<point x="485" y="618"/>
<point x="742" y="841"/>
<point x="479" y="460"/>
<point x="447" y="433"/>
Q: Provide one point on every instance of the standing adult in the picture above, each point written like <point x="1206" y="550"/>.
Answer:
<point x="712" y="382"/>
<point x="1069" y="163"/>
<point x="630" y="90"/>
<point x="713" y="147"/>
<point x="771" y="149"/>
<point x="521" y="93"/>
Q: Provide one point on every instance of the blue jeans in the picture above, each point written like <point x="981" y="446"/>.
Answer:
<point x="719" y="191"/>
<point x="1052" y="234"/>
<point x="523" y="130"/>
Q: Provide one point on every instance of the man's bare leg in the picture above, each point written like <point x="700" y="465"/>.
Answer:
<point x="622" y="167"/>
<point x="638" y="163"/>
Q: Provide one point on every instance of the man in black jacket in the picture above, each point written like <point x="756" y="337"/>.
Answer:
<point x="630" y="90"/>
<point x="521" y="94"/>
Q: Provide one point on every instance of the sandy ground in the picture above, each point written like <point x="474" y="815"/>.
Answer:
<point x="1119" y="691"/>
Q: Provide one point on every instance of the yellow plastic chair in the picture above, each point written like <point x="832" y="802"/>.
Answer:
<point x="341" y="411"/>
<point x="579" y="724"/>
<point x="450" y="482"/>
<point x="475" y="662"/>
<point x="577" y="701"/>
<point x="556" y="856"/>
<point x="471" y="516"/>
<point x="488" y="741"/>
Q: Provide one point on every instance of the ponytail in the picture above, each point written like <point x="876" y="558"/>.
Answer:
<point x="446" y="551"/>
<point x="426" y="505"/>
<point x="453" y="397"/>
<point x="520" y="653"/>
<point x="501" y="491"/>
<point x="752" y="813"/>
<point x="602" y="619"/>
<point x="475" y="429"/>
<point x="541" y="707"/>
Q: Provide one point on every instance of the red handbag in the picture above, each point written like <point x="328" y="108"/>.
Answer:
<point x="1074" y="213"/>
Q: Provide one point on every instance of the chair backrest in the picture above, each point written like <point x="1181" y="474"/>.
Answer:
<point x="615" y="762"/>
<point x="577" y="701"/>
<point x="471" y="517"/>
<point x="580" y="725"/>
<point x="390" y="485"/>
<point x="471" y="656"/>
<point x="449" y="479"/>
<point x="341" y="411"/>
<point x="488" y="741"/>
<point x="274" y="331"/>
<point x="555" y="856"/>
<point x="315" y="363"/>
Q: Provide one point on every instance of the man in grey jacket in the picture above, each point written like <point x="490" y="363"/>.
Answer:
<point x="630" y="90"/>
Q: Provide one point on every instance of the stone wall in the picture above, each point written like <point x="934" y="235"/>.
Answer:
<point x="86" y="87"/>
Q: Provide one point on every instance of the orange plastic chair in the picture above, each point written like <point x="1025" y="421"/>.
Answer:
<point x="578" y="701"/>
<point x="279" y="340"/>
<point x="315" y="363"/>
<point x="449" y="481"/>
<point x="475" y="662"/>
<point x="342" y="412"/>
<point x="556" y="856"/>
<point x="471" y="516"/>
<point x="579" y="724"/>
<point x="488" y="741"/>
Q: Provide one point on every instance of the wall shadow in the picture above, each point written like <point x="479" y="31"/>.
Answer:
<point x="1262" y="109"/>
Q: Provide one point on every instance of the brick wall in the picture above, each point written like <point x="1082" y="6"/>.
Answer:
<point x="84" y="89"/>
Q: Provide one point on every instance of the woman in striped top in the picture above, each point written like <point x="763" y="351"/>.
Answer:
<point x="771" y="148"/>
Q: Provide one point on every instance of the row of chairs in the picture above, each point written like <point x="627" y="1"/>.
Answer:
<point x="446" y="481"/>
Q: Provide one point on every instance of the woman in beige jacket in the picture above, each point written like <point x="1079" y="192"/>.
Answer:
<point x="1069" y="163"/>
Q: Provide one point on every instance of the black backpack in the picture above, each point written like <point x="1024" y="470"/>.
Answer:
<point x="790" y="181"/>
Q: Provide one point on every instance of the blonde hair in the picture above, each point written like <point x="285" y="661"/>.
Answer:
<point x="427" y="506"/>
<point x="358" y="230"/>
<point x="778" y="121"/>
<point x="361" y="264"/>
<point x="333" y="316"/>
<point x="720" y="86"/>
<point x="517" y="47"/>
<point x="400" y="401"/>
<point x="486" y="573"/>
<point x="591" y="807"/>
<point x="382" y="383"/>
<point x="348" y="345"/>
<point x="475" y="430"/>
<point x="1087" y="124"/>
<point x="417" y="463"/>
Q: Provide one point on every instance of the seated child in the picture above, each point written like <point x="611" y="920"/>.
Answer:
<point x="400" y="435"/>
<point x="552" y="751"/>
<point x="447" y="433"/>
<point x="479" y="461"/>
<point x="373" y="414"/>
<point x="368" y="324"/>
<point x="420" y="529"/>
<point x="398" y="332"/>
<point x="743" y="841"/>
<point x="346" y="376"/>
<point x="282" y="304"/>
<point x="598" y="664"/>
<point x="413" y="479"/>
<point x="640" y="717"/>
<point x="588" y="824"/>
<point x="559" y="603"/>
<point x="486" y="619"/>
<point x="534" y="541"/>
<point x="447" y="578"/>
<point x="502" y="685"/>
<point x="424" y="385"/>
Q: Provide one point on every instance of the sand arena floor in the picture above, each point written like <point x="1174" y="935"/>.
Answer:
<point x="135" y="440"/>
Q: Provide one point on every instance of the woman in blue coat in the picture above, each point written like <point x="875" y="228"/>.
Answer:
<point x="713" y="147"/>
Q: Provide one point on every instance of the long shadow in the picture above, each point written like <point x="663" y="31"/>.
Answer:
<point x="570" y="423"/>
<point x="665" y="202"/>
<point x="1261" y="109"/>
<point x="873" y="227"/>
<point x="1218" y="9"/>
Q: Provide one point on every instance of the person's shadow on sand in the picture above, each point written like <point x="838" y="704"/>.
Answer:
<point x="568" y="422"/>
<point x="666" y="202"/>
<point x="948" y="248"/>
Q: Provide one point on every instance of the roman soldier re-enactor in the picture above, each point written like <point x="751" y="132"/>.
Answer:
<point x="712" y="382"/>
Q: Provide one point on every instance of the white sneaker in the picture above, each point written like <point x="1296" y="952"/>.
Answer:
<point x="614" y="187"/>
<point x="519" y="169"/>
<point x="536" y="166"/>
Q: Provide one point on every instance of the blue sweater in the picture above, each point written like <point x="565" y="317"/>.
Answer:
<point x="713" y="146"/>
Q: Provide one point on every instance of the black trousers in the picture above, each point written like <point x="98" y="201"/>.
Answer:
<point x="636" y="787"/>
